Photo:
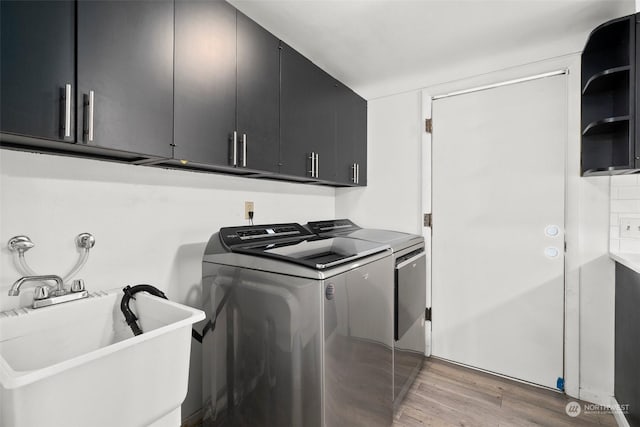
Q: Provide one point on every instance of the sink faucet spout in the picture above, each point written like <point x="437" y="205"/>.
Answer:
<point x="15" y="288"/>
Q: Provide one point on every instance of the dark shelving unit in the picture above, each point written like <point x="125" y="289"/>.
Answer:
<point x="608" y="99"/>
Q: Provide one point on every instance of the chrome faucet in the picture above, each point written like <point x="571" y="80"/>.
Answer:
<point x="59" y="288"/>
<point x="45" y="295"/>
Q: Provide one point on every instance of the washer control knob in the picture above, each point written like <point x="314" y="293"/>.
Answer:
<point x="330" y="291"/>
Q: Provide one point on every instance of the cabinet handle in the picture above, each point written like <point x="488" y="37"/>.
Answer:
<point x="353" y="173"/>
<point x="357" y="173"/>
<point x="244" y="150"/>
<point x="89" y="111"/>
<point x="312" y="158"/>
<point x="317" y="165"/>
<point x="66" y="119"/>
<point x="234" y="149"/>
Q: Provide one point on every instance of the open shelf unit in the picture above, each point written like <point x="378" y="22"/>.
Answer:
<point x="608" y="99"/>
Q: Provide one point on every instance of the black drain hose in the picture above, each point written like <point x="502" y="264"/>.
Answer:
<point x="129" y="292"/>
<point x="132" y="320"/>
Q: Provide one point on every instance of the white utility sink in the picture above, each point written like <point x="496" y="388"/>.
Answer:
<point x="79" y="364"/>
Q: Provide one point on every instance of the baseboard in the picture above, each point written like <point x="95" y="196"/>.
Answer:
<point x="618" y="415"/>
<point x="599" y="398"/>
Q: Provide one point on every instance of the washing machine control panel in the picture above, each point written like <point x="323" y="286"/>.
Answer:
<point x="233" y="236"/>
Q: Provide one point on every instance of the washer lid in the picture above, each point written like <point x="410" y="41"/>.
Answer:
<point x="346" y="228"/>
<point x="316" y="252"/>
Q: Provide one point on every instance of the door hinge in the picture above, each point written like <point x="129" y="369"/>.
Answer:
<point x="427" y="220"/>
<point x="427" y="314"/>
<point x="428" y="125"/>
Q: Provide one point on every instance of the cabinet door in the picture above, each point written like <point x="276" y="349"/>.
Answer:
<point x="37" y="44"/>
<point x="125" y="58"/>
<point x="307" y="120"/>
<point x="627" y="341"/>
<point x="360" y="144"/>
<point x="258" y="64"/>
<point x="351" y="137"/>
<point x="205" y="81"/>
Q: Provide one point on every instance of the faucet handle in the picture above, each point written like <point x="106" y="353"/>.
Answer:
<point x="41" y="292"/>
<point x="77" y="285"/>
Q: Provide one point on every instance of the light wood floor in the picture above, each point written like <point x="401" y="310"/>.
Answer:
<point x="445" y="394"/>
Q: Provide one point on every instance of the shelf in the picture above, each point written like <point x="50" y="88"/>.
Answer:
<point x="608" y="125"/>
<point x="613" y="170"/>
<point x="606" y="80"/>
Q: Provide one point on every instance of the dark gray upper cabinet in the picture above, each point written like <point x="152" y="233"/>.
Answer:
<point x="178" y="83"/>
<point x="307" y="118"/>
<point x="226" y="88"/>
<point x="125" y="75"/>
<point x="37" y="44"/>
<point x="351" y="137"/>
<point x="258" y="96"/>
<point x="205" y="82"/>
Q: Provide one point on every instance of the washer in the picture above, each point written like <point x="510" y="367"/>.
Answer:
<point x="299" y="329"/>
<point x="410" y="284"/>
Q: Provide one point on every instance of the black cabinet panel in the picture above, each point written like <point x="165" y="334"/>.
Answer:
<point x="125" y="56"/>
<point x="205" y="81"/>
<point x="627" y="342"/>
<point x="37" y="44"/>
<point x="258" y="65"/>
<point x="307" y="117"/>
<point x="351" y="137"/>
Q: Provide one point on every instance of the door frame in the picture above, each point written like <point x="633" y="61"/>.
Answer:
<point x="570" y="63"/>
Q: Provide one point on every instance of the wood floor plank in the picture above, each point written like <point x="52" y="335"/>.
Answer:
<point x="491" y="397"/>
<point x="446" y="394"/>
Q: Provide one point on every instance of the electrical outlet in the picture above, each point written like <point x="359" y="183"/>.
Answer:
<point x="630" y="227"/>
<point x="248" y="207"/>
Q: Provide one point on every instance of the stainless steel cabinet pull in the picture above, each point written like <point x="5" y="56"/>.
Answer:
<point x="317" y="165"/>
<point x="89" y="112"/>
<point x="244" y="150"/>
<point x="234" y="149"/>
<point x="67" y="110"/>
<point x="312" y="157"/>
<point x="353" y="173"/>
<point x="357" y="173"/>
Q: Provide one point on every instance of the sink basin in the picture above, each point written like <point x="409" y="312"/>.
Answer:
<point x="79" y="364"/>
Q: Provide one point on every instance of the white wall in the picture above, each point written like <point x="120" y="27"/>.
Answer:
<point x="625" y="203"/>
<point x="392" y="198"/>
<point x="150" y="224"/>
<point x="596" y="293"/>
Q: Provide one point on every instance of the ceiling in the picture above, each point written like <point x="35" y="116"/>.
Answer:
<point x="381" y="47"/>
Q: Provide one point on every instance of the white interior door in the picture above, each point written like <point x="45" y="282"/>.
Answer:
<point x="498" y="229"/>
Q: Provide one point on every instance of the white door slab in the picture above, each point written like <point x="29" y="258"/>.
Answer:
<point x="498" y="229"/>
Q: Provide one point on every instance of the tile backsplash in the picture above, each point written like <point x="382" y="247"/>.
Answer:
<point x="625" y="204"/>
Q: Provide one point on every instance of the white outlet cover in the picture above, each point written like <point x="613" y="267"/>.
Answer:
<point x="630" y="227"/>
